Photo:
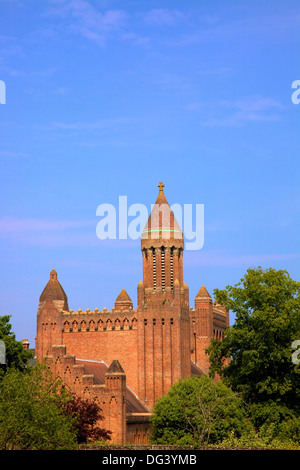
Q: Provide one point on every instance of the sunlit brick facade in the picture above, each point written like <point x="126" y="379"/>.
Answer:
<point x="128" y="357"/>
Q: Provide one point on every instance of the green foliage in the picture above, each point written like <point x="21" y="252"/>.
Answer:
<point x="261" y="440"/>
<point x="198" y="411"/>
<point x="260" y="371"/>
<point x="31" y="411"/>
<point x="267" y="308"/>
<point x="16" y="355"/>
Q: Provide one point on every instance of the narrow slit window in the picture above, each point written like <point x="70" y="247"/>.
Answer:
<point x="154" y="269"/>
<point x="171" y="268"/>
<point x="163" y="279"/>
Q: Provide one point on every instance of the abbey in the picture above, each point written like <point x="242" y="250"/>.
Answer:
<point x="126" y="357"/>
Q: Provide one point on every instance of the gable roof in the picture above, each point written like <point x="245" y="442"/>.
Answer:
<point x="99" y="368"/>
<point x="115" y="367"/>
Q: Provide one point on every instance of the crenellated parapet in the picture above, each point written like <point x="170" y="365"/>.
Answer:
<point x="99" y="320"/>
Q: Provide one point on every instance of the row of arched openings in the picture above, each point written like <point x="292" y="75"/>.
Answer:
<point x="100" y="325"/>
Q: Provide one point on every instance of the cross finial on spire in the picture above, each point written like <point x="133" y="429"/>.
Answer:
<point x="161" y="185"/>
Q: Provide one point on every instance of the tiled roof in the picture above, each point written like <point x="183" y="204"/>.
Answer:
<point x="195" y="369"/>
<point x="99" y="369"/>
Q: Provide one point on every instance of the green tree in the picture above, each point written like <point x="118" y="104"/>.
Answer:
<point x="198" y="411"/>
<point x="31" y="411"/>
<point x="266" y="304"/>
<point x="15" y="355"/>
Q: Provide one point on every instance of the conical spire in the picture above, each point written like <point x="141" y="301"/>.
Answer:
<point x="162" y="224"/>
<point x="54" y="291"/>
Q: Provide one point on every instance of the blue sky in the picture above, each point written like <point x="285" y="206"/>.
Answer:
<point x="108" y="98"/>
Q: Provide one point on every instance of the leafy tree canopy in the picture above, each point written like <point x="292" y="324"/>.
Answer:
<point x="15" y="355"/>
<point x="198" y="411"/>
<point x="266" y="304"/>
<point x="31" y="412"/>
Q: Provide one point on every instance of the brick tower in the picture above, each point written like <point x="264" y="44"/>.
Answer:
<point x="163" y="306"/>
<point x="52" y="301"/>
<point x="202" y="327"/>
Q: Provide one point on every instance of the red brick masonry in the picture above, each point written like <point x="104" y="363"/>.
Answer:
<point x="127" y="358"/>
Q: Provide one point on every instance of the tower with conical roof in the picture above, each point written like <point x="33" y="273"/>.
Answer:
<point x="163" y="305"/>
<point x="52" y="302"/>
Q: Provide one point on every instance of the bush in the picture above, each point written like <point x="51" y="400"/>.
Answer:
<point x="31" y="413"/>
<point x="198" y="411"/>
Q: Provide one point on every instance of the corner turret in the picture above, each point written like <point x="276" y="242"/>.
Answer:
<point x="53" y="291"/>
<point x="52" y="302"/>
<point x="123" y="301"/>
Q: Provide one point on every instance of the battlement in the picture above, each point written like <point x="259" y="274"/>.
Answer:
<point x="97" y="311"/>
<point x="99" y="320"/>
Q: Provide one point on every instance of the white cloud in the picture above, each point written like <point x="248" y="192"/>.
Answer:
<point x="219" y="258"/>
<point x="253" y="104"/>
<point x="48" y="232"/>
<point x="113" y="124"/>
<point x="234" y="113"/>
<point x="11" y="154"/>
<point x="162" y="17"/>
<point x="81" y="17"/>
<point x="14" y="225"/>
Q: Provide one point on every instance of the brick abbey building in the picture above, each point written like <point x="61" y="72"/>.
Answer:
<point x="126" y="357"/>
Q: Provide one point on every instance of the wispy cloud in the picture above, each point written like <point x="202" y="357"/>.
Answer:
<point x="47" y="232"/>
<point x="83" y="18"/>
<point x="253" y="104"/>
<point x="163" y="17"/>
<point x="13" y="225"/>
<point x="11" y="154"/>
<point x="102" y="124"/>
<point x="218" y="258"/>
<point x="267" y="27"/>
<point x="56" y="233"/>
<point x="235" y="113"/>
<point x="173" y="81"/>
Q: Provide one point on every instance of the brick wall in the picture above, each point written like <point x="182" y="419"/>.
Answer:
<point x="110" y="396"/>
